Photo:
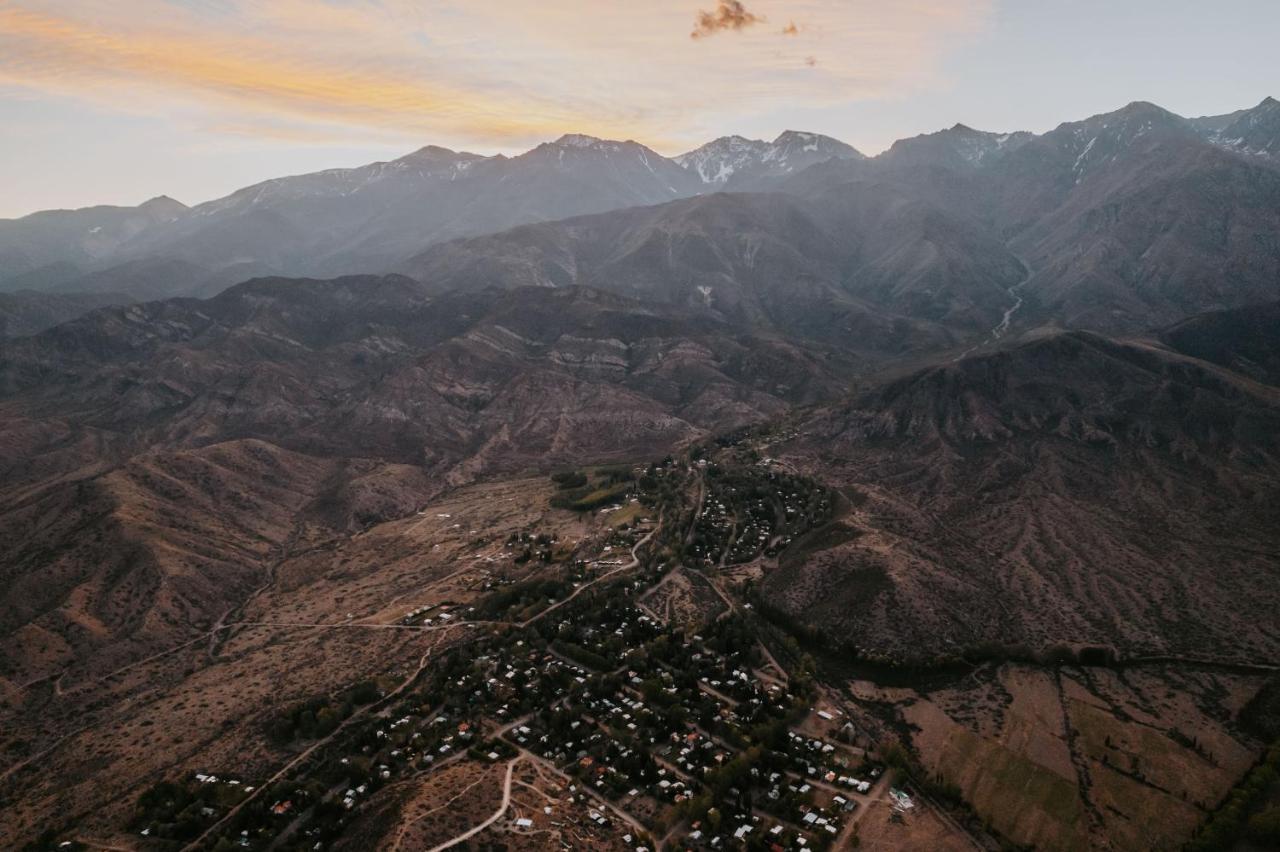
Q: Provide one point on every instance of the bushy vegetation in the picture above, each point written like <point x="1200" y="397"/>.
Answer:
<point x="1244" y="815"/>
<point x="749" y="511"/>
<point x="532" y="546"/>
<point x="321" y="716"/>
<point x="579" y="654"/>
<point x="514" y="600"/>
<point x="580" y="492"/>
<point x="569" y="479"/>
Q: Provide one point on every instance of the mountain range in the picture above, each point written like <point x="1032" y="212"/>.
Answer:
<point x="680" y="298"/>
<point x="1118" y="215"/>
<point x="1037" y="375"/>
<point x="370" y="218"/>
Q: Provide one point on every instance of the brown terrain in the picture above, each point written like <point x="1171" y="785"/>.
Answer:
<point x="1082" y="758"/>
<point x="328" y="616"/>
<point x="1070" y="489"/>
<point x="974" y="445"/>
<point x="1065" y="491"/>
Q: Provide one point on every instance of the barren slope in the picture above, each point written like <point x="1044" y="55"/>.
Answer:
<point x="1070" y="490"/>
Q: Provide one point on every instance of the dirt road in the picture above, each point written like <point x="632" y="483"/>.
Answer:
<point x="497" y="815"/>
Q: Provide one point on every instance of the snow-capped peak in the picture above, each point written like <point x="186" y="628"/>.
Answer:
<point x="1254" y="131"/>
<point x="737" y="157"/>
<point x="718" y="160"/>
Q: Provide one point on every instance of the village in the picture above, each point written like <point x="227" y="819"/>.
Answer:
<point x="639" y="732"/>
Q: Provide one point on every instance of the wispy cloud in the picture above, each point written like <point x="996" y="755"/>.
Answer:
<point x="485" y="75"/>
<point x="233" y="72"/>
<point x="728" y="15"/>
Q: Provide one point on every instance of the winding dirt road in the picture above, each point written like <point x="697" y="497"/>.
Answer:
<point x="635" y="561"/>
<point x="497" y="815"/>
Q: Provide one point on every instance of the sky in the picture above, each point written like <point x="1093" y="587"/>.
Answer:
<point x="117" y="101"/>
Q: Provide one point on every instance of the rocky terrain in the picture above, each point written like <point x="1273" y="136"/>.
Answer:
<point x="975" y="443"/>
<point x="1070" y="490"/>
<point x="137" y="439"/>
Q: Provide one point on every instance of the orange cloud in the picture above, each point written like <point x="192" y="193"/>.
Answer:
<point x="460" y="73"/>
<point x="71" y="56"/>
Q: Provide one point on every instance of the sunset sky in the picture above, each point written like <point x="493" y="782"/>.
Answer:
<point x="116" y="101"/>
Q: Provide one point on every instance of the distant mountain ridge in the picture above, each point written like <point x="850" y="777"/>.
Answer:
<point x="370" y="217"/>
<point x="75" y="238"/>
<point x="1052" y="198"/>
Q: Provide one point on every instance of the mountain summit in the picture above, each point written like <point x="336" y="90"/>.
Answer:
<point x="1254" y="131"/>
<point x="376" y="217"/>
<point x="735" y="161"/>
